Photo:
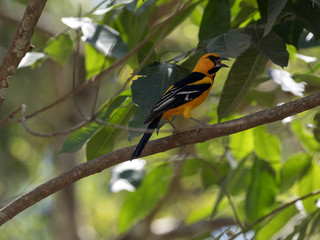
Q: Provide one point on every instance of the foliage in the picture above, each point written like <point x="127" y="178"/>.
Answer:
<point x="249" y="176"/>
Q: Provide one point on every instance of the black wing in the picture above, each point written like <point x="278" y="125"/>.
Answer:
<point x="179" y="94"/>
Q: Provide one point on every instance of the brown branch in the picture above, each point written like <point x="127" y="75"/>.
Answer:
<point x="20" y="44"/>
<point x="12" y="12"/>
<point x="180" y="139"/>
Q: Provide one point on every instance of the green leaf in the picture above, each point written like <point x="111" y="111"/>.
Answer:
<point x="242" y="144"/>
<point x="60" y="48"/>
<point x="311" y="79"/>
<point x="290" y="32"/>
<point x="309" y="183"/>
<point x="176" y="22"/>
<point x="274" y="9"/>
<point x="104" y="140"/>
<point x="308" y="15"/>
<point x="95" y="61"/>
<point x="266" y="146"/>
<point x="209" y="176"/>
<point x="78" y="138"/>
<point x="271" y="45"/>
<point x="136" y="122"/>
<point x="262" y="190"/>
<point x="261" y="98"/>
<point x="244" y="71"/>
<point x="305" y="137"/>
<point x="230" y="44"/>
<point x="294" y="169"/>
<point x="246" y="9"/>
<point x="215" y="19"/>
<point x="239" y="178"/>
<point x="105" y="39"/>
<point x="152" y="82"/>
<point x="142" y="53"/>
<point x="316" y="129"/>
<point x="277" y="223"/>
<point x="140" y="203"/>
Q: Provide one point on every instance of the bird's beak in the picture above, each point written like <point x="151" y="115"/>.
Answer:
<point x="219" y="64"/>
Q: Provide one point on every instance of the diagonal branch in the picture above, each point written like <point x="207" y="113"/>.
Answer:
<point x="180" y="139"/>
<point x="20" y="44"/>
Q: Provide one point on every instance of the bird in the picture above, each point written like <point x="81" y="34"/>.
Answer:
<point x="182" y="96"/>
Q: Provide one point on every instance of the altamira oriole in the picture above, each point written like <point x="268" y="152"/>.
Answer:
<point x="183" y="96"/>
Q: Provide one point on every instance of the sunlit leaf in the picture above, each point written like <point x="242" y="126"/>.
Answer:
<point x="294" y="169"/>
<point x="105" y="39"/>
<point x="30" y="58"/>
<point x="244" y="71"/>
<point x="138" y="204"/>
<point x="305" y="137"/>
<point x="95" y="61"/>
<point x="305" y="58"/>
<point x="310" y="182"/>
<point x="311" y="79"/>
<point x="74" y="22"/>
<point x="262" y="190"/>
<point x="127" y="176"/>
<point x="60" y="48"/>
<point x="213" y="26"/>
<point x="246" y="9"/>
<point x="242" y="144"/>
<point x="266" y="146"/>
<point x="277" y="223"/>
<point x="316" y="129"/>
<point x="286" y="82"/>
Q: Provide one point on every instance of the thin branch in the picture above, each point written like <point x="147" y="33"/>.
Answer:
<point x="20" y="44"/>
<point x="47" y="135"/>
<point x="196" y="229"/>
<point x="9" y="116"/>
<point x="114" y="66"/>
<point x="277" y="210"/>
<point x="160" y="145"/>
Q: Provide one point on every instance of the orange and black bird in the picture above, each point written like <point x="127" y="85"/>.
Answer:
<point x="183" y="96"/>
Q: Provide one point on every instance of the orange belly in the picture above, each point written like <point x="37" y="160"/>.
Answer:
<point x="186" y="108"/>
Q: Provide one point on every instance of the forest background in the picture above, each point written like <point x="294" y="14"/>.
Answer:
<point x="78" y="79"/>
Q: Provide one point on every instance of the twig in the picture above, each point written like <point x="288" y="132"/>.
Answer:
<point x="74" y="75"/>
<point x="47" y="135"/>
<point x="9" y="116"/>
<point x="115" y="65"/>
<point x="277" y="210"/>
<point x="196" y="228"/>
<point x="180" y="139"/>
<point x="20" y="44"/>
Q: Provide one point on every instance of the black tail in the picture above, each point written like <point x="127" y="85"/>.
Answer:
<point x="145" y="138"/>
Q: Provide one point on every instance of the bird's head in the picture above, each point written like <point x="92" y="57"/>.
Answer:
<point x="210" y="63"/>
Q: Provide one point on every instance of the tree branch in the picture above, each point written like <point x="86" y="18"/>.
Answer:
<point x="180" y="139"/>
<point x="20" y="44"/>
